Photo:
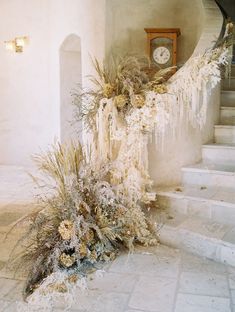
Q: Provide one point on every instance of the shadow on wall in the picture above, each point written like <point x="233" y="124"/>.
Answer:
<point x="70" y="77"/>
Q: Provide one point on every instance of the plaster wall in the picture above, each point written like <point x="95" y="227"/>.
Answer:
<point x="25" y="109"/>
<point x="199" y="19"/>
<point x="30" y="94"/>
<point x="186" y="149"/>
<point x="70" y="69"/>
<point x="126" y="20"/>
<point x="30" y="81"/>
<point x="166" y="161"/>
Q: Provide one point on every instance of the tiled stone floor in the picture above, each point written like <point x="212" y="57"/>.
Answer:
<point x="155" y="279"/>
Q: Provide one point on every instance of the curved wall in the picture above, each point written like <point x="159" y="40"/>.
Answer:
<point x="186" y="149"/>
<point x="126" y="20"/>
<point x="30" y="82"/>
<point x="199" y="19"/>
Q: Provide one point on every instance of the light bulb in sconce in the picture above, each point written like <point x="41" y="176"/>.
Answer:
<point x="20" y="43"/>
<point x="17" y="44"/>
<point x="10" y="45"/>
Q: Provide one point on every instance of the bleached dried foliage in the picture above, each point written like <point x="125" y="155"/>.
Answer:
<point x="93" y="208"/>
<point x="121" y="78"/>
<point x="82" y="222"/>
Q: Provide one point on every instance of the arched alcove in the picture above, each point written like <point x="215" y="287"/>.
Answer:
<point x="70" y="76"/>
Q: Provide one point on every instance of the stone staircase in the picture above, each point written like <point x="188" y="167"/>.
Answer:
<point x="199" y="216"/>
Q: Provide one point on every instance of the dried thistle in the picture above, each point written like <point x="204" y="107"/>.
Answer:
<point x="121" y="101"/>
<point x="160" y="88"/>
<point x="83" y="250"/>
<point x="66" y="260"/>
<point x="137" y="100"/>
<point x="108" y="90"/>
<point x="66" y="229"/>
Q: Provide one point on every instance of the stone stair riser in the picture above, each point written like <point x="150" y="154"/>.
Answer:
<point x="212" y="210"/>
<point x="198" y="244"/>
<point x="218" y="154"/>
<point x="228" y="98"/>
<point x="209" y="179"/>
<point x="228" y="121"/>
<point x="233" y="71"/>
<point x="227" y="116"/>
<point x="225" y="135"/>
<point x="201" y="218"/>
<point x="228" y="84"/>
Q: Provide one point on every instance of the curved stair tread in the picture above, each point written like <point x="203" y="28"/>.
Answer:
<point x="213" y="240"/>
<point x="220" y="145"/>
<point x="203" y="193"/>
<point x="219" y="168"/>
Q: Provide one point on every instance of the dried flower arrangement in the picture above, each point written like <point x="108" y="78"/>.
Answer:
<point x="125" y="80"/>
<point x="95" y="205"/>
<point x="81" y="223"/>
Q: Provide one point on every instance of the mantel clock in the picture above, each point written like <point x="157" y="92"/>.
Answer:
<point x="162" y="46"/>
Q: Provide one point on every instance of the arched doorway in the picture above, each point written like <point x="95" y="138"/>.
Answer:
<point x="70" y="76"/>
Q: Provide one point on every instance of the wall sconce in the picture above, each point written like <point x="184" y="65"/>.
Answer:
<point x="16" y="44"/>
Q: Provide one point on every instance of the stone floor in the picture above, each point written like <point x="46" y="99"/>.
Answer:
<point x="158" y="279"/>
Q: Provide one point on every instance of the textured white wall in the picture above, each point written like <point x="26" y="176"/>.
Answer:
<point x="70" y="77"/>
<point x="24" y="82"/>
<point x="30" y="82"/>
<point x="70" y="71"/>
<point x="166" y="163"/>
<point x="126" y="20"/>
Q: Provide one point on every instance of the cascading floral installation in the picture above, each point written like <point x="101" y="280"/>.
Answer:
<point x="83" y="222"/>
<point x="98" y="192"/>
<point x="134" y="108"/>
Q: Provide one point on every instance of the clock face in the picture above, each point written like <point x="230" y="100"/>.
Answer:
<point x="161" y="55"/>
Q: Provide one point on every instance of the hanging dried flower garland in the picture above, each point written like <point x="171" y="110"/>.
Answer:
<point x="136" y="107"/>
<point x="95" y="205"/>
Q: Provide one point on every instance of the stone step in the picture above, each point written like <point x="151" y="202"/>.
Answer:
<point x="232" y="74"/>
<point x="227" y="115"/>
<point x="212" y="203"/>
<point x="210" y="175"/>
<point x="228" y="84"/>
<point x="224" y="134"/>
<point x="233" y="71"/>
<point x="213" y="240"/>
<point x="218" y="153"/>
<point x="228" y="98"/>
